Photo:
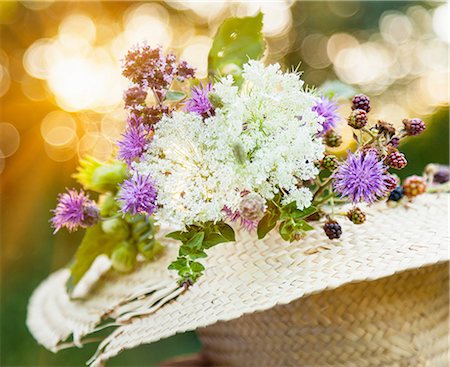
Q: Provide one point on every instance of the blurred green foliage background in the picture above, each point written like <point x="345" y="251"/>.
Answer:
<point x="406" y="72"/>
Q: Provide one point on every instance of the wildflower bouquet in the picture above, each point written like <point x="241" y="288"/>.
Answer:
<point x="246" y="148"/>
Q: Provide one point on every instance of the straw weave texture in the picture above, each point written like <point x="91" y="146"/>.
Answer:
<point x="242" y="278"/>
<point x="395" y="321"/>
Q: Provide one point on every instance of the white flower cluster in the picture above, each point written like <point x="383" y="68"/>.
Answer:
<point x="263" y="138"/>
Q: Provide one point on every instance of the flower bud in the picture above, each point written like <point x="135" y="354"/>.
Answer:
<point x="107" y="177"/>
<point x="252" y="207"/>
<point x="124" y="257"/>
<point x="150" y="249"/>
<point x="116" y="228"/>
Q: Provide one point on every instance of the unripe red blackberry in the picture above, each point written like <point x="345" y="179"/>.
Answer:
<point x="361" y="102"/>
<point x="332" y="229"/>
<point x="414" y="126"/>
<point x="357" y="119"/>
<point x="413" y="186"/>
<point x="391" y="182"/>
<point x="332" y="139"/>
<point x="395" y="159"/>
<point x="356" y="215"/>
<point x="330" y="162"/>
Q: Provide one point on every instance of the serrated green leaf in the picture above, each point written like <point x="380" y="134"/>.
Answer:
<point x="236" y="41"/>
<point x="175" y="96"/>
<point x="95" y="242"/>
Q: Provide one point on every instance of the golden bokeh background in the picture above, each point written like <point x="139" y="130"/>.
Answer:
<point x="61" y="89"/>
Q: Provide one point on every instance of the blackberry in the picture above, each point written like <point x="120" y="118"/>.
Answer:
<point x="330" y="162"/>
<point x="356" y="215"/>
<point x="332" y="229"/>
<point x="391" y="182"/>
<point x="332" y="139"/>
<point x="396" y="194"/>
<point x="413" y="186"/>
<point x="396" y="159"/>
<point x="442" y="176"/>
<point x="357" y="119"/>
<point x="414" y="126"/>
<point x="361" y="102"/>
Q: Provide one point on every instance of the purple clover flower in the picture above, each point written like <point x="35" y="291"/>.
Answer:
<point x="199" y="101"/>
<point x="362" y="177"/>
<point x="247" y="224"/>
<point x="133" y="142"/>
<point x="74" y="210"/>
<point x="138" y="194"/>
<point x="327" y="109"/>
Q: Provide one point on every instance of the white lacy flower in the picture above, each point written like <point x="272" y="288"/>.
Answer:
<point x="263" y="138"/>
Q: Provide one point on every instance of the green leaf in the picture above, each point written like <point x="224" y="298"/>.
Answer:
<point x="95" y="242"/>
<point x="226" y="231"/>
<point x="236" y="41"/>
<point x="266" y="224"/>
<point x="177" y="235"/>
<point x="197" y="267"/>
<point x="175" y="96"/>
<point x="196" y="241"/>
<point x="303" y="225"/>
<point x="285" y="231"/>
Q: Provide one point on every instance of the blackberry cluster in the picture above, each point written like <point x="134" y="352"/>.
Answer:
<point x="414" y="126"/>
<point x="361" y="102"/>
<point x="356" y="215"/>
<point x="332" y="229"/>
<point x="330" y="162"/>
<point x="358" y="119"/>
<point x="332" y="139"/>
<point x="396" y="194"/>
<point x="396" y="159"/>
<point x="413" y="186"/>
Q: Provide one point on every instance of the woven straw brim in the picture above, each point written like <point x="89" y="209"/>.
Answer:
<point x="241" y="278"/>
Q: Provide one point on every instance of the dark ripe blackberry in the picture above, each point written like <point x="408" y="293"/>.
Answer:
<point x="332" y="139"/>
<point x="396" y="159"/>
<point x="361" y="102"/>
<point x="356" y="215"/>
<point x="396" y="194"/>
<point x="330" y="162"/>
<point x="442" y="176"/>
<point x="332" y="229"/>
<point x="357" y="119"/>
<point x="414" y="126"/>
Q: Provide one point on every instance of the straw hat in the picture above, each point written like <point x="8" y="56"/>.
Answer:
<point x="244" y="277"/>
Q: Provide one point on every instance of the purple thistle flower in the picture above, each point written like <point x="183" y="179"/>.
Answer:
<point x="138" y="194"/>
<point x="362" y="177"/>
<point x="199" y="101"/>
<point x="247" y="224"/>
<point x="327" y="109"/>
<point x="134" y="141"/>
<point x="74" y="210"/>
